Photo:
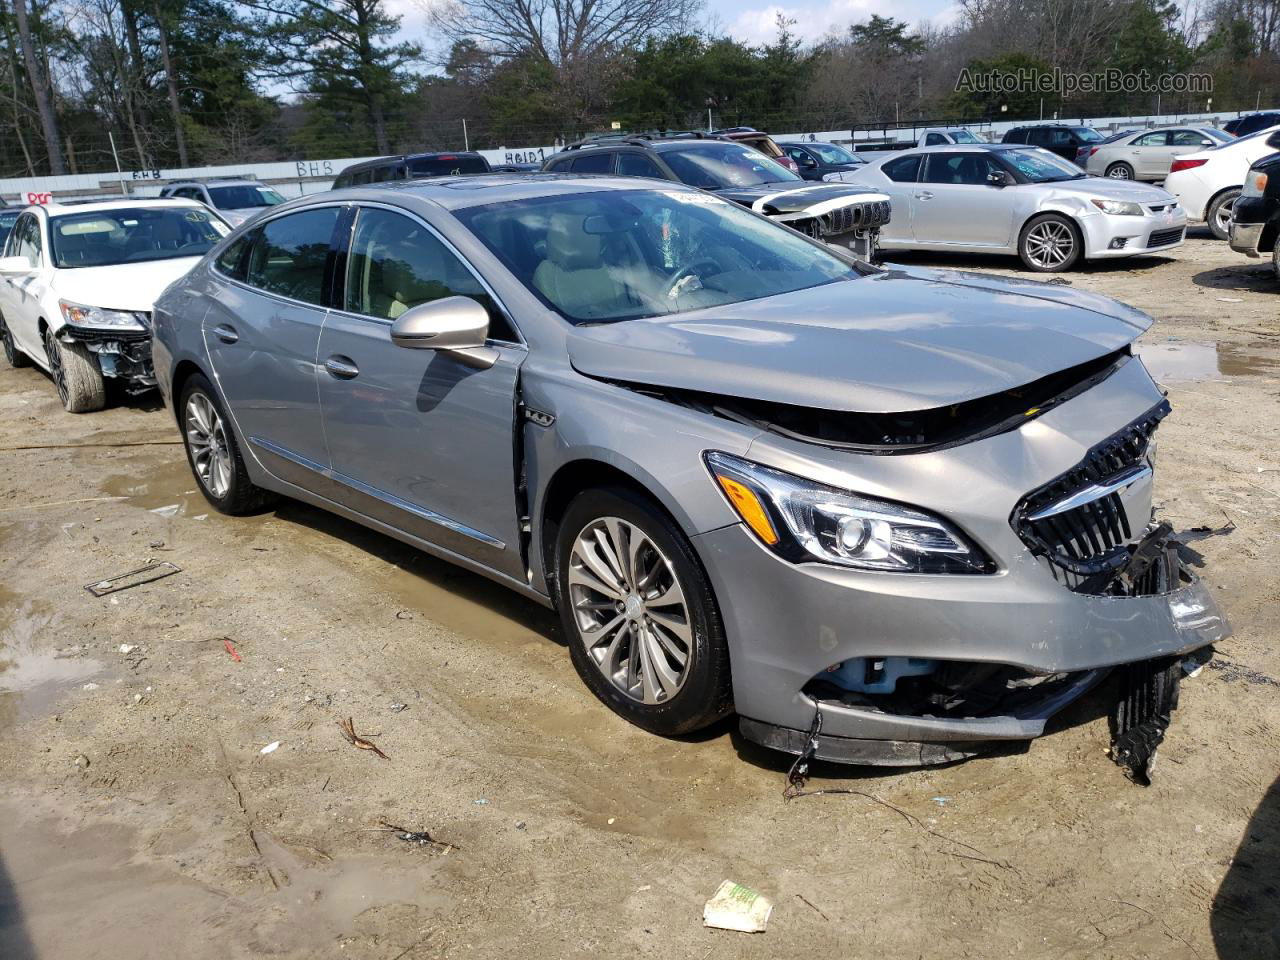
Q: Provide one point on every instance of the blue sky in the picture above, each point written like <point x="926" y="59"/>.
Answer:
<point x="753" y="21"/>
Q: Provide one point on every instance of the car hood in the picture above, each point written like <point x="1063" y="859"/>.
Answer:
<point x="1111" y="189"/>
<point x="899" y="340"/>
<point x="124" y="286"/>
<point x="783" y="198"/>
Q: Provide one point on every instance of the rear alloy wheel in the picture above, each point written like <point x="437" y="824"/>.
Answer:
<point x="1219" y="216"/>
<point x="76" y="374"/>
<point x="643" y="628"/>
<point x="1120" y="171"/>
<point x="1049" y="243"/>
<point x="14" y="356"/>
<point x="213" y="453"/>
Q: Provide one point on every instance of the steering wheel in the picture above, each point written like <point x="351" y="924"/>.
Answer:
<point x="689" y="271"/>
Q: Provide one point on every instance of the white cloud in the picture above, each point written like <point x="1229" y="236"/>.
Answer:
<point x="816" y="20"/>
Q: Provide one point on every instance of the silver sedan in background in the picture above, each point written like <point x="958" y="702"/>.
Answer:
<point x="1148" y="154"/>
<point x="1009" y="198"/>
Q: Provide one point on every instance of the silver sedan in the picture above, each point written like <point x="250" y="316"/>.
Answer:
<point x="1147" y="154"/>
<point x="1007" y="198"/>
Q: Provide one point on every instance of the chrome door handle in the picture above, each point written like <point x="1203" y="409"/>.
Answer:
<point x="924" y="195"/>
<point x="341" y="368"/>
<point x="226" y="333"/>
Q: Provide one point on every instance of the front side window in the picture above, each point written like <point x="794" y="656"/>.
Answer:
<point x="934" y="140"/>
<point x="621" y="255"/>
<point x="289" y="255"/>
<point x="1086" y="134"/>
<point x="243" y="197"/>
<point x="959" y="168"/>
<point x="397" y="263"/>
<point x="593" y="163"/>
<point x="717" y="165"/>
<point x="7" y="219"/>
<point x="902" y="170"/>
<point x="836" y="156"/>
<point x="638" y="165"/>
<point x="103" y="238"/>
<point x="25" y="240"/>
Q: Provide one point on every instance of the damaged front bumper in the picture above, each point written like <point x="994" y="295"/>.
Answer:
<point x="122" y="354"/>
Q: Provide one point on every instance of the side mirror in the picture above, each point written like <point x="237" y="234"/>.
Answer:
<point x="1000" y="178"/>
<point x="452" y="323"/>
<point x="15" y="266"/>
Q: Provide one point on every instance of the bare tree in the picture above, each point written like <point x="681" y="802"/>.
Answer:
<point x="41" y="90"/>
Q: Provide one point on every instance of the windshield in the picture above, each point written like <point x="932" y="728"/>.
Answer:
<point x="714" y="166"/>
<point x="104" y="238"/>
<point x="243" y="196"/>
<point x="621" y="255"/>
<point x="1088" y="134"/>
<point x="1248" y="136"/>
<point x="964" y="136"/>
<point x="836" y="156"/>
<point x="446" y="164"/>
<point x="1041" y="166"/>
<point x="7" y="219"/>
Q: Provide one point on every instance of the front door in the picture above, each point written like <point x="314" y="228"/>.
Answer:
<point x="262" y="333"/>
<point x="418" y="439"/>
<point x="956" y="203"/>
<point x="20" y="295"/>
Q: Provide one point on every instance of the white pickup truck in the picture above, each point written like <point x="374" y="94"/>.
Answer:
<point x="929" y="137"/>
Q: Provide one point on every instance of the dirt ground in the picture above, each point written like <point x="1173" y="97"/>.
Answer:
<point x="141" y="817"/>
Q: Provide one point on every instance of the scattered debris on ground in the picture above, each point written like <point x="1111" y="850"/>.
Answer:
<point x="420" y="837"/>
<point x="148" y="573"/>
<point x="735" y="907"/>
<point x="349" y="731"/>
<point x="1143" y="713"/>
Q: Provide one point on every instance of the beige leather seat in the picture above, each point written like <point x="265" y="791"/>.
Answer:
<point x="573" y="275"/>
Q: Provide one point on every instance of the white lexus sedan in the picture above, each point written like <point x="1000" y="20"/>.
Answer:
<point x="1009" y="198"/>
<point x="77" y="282"/>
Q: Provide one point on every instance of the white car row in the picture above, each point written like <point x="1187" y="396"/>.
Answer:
<point x="1208" y="183"/>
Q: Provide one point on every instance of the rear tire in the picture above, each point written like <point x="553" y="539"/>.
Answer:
<point x="1050" y="243"/>
<point x="1120" y="171"/>
<point x="1219" y="215"/>
<point x="14" y="356"/>
<point x="76" y="374"/>
<point x="649" y="643"/>
<point x="213" y="454"/>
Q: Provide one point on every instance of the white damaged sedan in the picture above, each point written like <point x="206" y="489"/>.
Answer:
<point x="1019" y="200"/>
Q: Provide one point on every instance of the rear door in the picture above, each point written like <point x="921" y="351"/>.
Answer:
<point x="955" y="202"/>
<point x="1149" y="155"/>
<point x="418" y="440"/>
<point x="901" y="174"/>
<point x="261" y="331"/>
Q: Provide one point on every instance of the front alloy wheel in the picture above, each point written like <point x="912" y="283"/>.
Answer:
<point x="207" y="443"/>
<point x="1049" y="244"/>
<point x="630" y="611"/>
<point x="642" y="625"/>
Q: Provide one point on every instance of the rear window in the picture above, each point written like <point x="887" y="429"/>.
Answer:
<point x="447" y="165"/>
<point x="1087" y="134"/>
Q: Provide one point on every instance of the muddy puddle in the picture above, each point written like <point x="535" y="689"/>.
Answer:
<point x="35" y="673"/>
<point x="1175" y="361"/>
<point x="164" y="487"/>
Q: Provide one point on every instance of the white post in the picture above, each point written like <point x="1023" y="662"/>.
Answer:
<point x="708" y="119"/>
<point x="466" y="143"/>
<point x="119" y="172"/>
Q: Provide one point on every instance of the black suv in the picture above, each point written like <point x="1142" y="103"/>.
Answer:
<point x="412" y="166"/>
<point x="1057" y="138"/>
<point x="1251" y="123"/>
<point x="1255" y="218"/>
<point x="738" y="173"/>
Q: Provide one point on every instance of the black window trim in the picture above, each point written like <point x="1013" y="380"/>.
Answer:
<point x="258" y="227"/>
<point x="340" y="270"/>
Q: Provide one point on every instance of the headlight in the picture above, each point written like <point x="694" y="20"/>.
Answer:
<point x="1255" y="184"/>
<point x="96" y="318"/>
<point x="1119" y="208"/>
<point x="805" y="521"/>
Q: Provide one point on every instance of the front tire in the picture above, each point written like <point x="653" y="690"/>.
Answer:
<point x="76" y="374"/>
<point x="1050" y="243"/>
<point x="212" y="451"/>
<point x="14" y="356"/>
<point x="1275" y="260"/>
<point x="642" y="624"/>
<point x="1219" y="215"/>
<point x="1120" y="171"/>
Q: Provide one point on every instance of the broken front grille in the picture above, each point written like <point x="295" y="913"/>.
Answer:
<point x="858" y="216"/>
<point x="1078" y="520"/>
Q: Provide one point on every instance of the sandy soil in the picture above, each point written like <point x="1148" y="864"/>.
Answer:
<point x="140" y="818"/>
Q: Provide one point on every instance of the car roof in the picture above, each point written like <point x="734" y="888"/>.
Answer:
<point x="459" y="192"/>
<point x="379" y="161"/>
<point x="216" y="181"/>
<point x="57" y="208"/>
<point x="970" y="147"/>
